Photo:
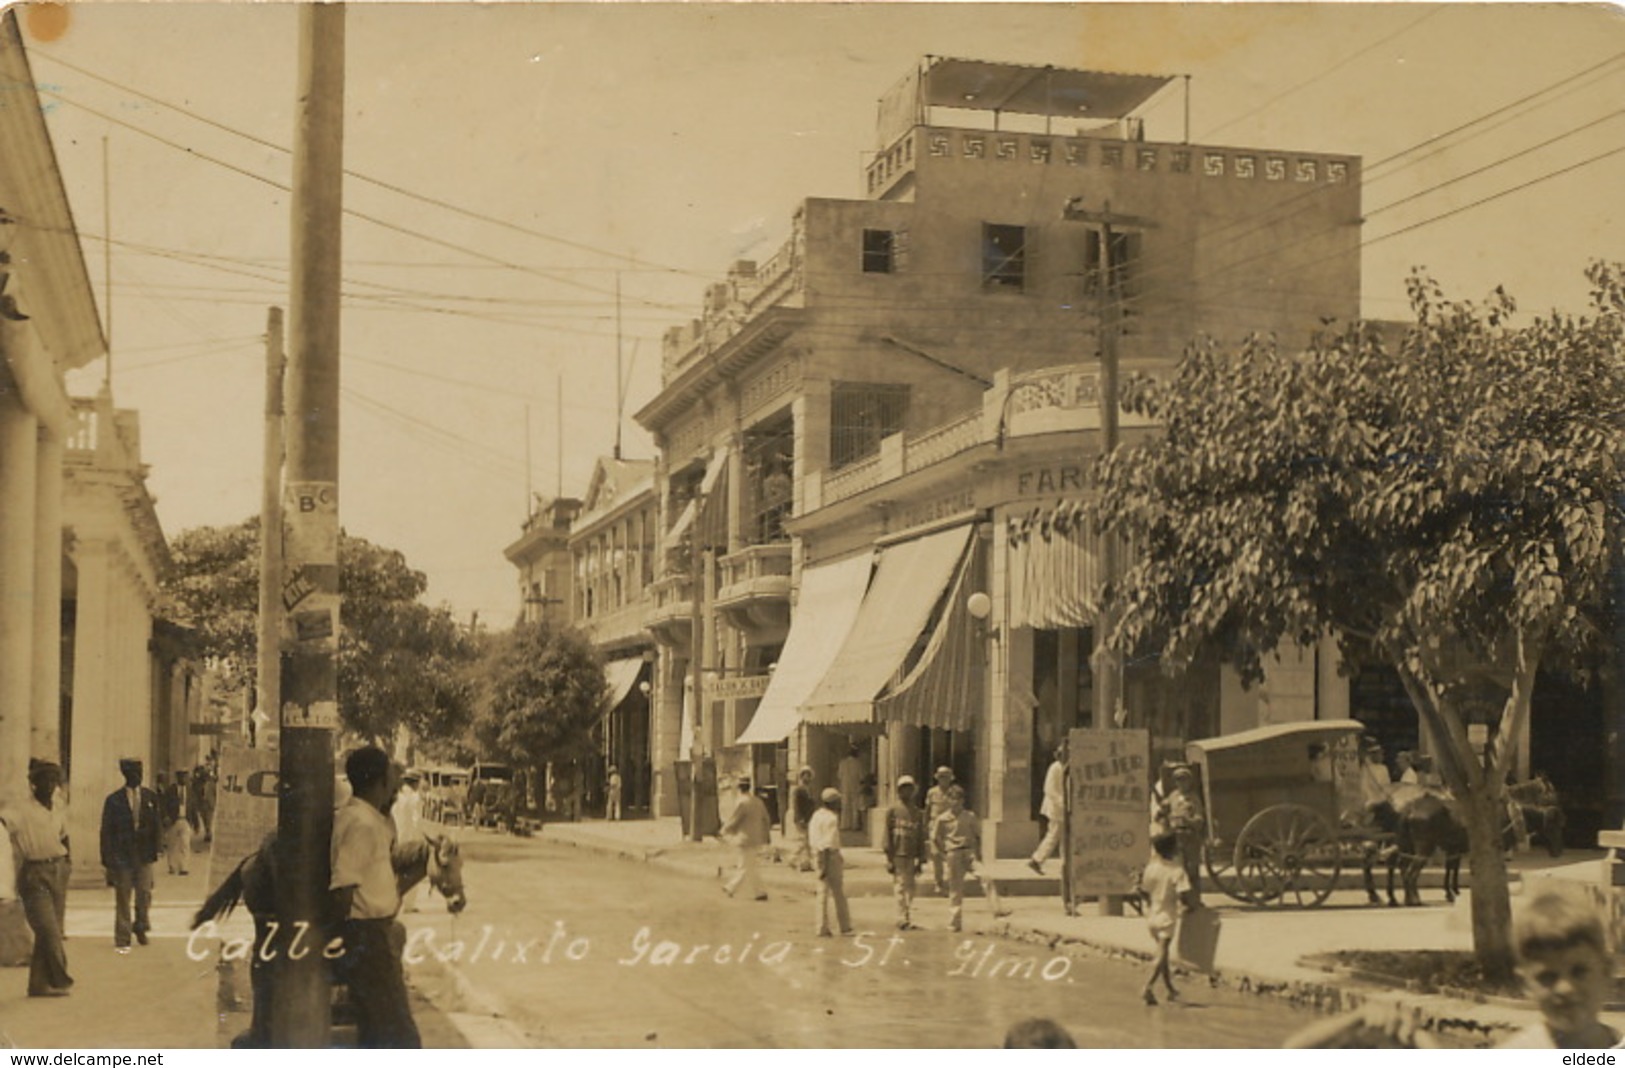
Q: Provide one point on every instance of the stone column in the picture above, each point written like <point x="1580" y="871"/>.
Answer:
<point x="18" y="499"/>
<point x="45" y="740"/>
<point x="94" y="758"/>
<point x="665" y="719"/>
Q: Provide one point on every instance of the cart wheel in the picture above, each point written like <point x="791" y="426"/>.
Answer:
<point x="1221" y="870"/>
<point x="1288" y="855"/>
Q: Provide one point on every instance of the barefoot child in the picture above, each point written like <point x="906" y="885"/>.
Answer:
<point x="1164" y="885"/>
<point x="1564" y="963"/>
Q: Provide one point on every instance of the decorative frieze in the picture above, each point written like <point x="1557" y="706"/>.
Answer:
<point x="777" y="380"/>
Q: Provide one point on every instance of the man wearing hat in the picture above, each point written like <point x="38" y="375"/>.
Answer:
<point x="131" y="826"/>
<point x="936" y="803"/>
<point x="1052" y="811"/>
<point x="40" y="832"/>
<point x="824" y="837"/>
<point x="802" y="807"/>
<point x="905" y="848"/>
<point x="747" y="828"/>
<point x="1180" y="812"/>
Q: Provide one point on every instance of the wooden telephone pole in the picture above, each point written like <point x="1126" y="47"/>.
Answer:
<point x="310" y="588"/>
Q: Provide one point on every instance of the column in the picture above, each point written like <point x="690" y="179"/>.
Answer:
<point x="737" y="520"/>
<point x="810" y="415"/>
<point x="18" y="499"/>
<point x="666" y="716"/>
<point x="94" y="760"/>
<point x="45" y="741"/>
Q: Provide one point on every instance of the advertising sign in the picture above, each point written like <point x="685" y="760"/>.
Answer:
<point x="244" y="807"/>
<point x="1108" y="810"/>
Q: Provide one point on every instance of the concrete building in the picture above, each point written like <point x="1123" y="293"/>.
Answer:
<point x="873" y="423"/>
<point x="48" y="326"/>
<point x="83" y="681"/>
<point x="542" y="556"/>
<point x="612" y="558"/>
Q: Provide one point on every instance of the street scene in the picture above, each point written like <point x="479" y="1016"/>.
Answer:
<point x="811" y="526"/>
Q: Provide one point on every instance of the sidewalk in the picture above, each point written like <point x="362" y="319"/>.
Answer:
<point x="1261" y="950"/>
<point x="156" y="996"/>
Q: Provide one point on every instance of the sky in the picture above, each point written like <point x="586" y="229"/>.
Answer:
<point x="513" y="166"/>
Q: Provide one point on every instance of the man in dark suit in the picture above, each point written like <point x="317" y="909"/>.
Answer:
<point x="132" y="823"/>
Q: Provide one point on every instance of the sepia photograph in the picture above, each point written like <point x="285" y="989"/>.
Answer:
<point x="757" y="525"/>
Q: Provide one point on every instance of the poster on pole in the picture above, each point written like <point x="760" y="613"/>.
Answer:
<point x="310" y="605"/>
<point x="1107" y="810"/>
<point x="245" y="803"/>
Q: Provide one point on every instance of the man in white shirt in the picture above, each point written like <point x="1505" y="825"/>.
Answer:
<point x="1051" y="810"/>
<point x="40" y="830"/>
<point x="366" y="896"/>
<point x="747" y="828"/>
<point x="824" y="838"/>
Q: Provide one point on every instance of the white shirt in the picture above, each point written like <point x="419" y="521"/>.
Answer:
<point x="1054" y="791"/>
<point x="407" y="812"/>
<point x="39" y="830"/>
<point x="824" y="831"/>
<point x="363" y="838"/>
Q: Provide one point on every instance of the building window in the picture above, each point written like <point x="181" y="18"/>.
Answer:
<point x="1004" y="256"/>
<point x="860" y="415"/>
<point x="1125" y="263"/>
<point x="878" y="252"/>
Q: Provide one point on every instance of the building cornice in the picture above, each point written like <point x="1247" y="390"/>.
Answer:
<point x="757" y="339"/>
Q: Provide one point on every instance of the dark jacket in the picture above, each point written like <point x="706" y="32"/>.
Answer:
<point x="802" y="805"/>
<point x="173" y="794"/>
<point x="905" y="832"/>
<point x="125" y="846"/>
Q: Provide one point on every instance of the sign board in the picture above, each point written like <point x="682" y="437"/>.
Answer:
<point x="310" y="602"/>
<point x="1108" y="810"/>
<point x="739" y="686"/>
<point x="245" y="802"/>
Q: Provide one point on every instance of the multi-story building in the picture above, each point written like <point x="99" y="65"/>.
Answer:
<point x="898" y="408"/>
<point x="612" y="556"/>
<point x="542" y="555"/>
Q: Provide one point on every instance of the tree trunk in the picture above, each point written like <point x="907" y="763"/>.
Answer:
<point x="1484" y="811"/>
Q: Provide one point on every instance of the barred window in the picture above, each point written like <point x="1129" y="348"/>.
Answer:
<point x="1004" y="256"/>
<point x="860" y="415"/>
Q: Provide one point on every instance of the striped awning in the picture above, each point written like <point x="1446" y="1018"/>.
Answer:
<point x="622" y="675"/>
<point x="1053" y="568"/>
<point x="879" y="654"/>
<point x="942" y="688"/>
<point x="705" y="516"/>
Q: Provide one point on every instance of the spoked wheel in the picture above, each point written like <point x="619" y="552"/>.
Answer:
<point x="1288" y="855"/>
<point x="1221" y="871"/>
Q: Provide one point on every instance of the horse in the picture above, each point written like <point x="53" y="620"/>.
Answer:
<point x="254" y="883"/>
<point x="1410" y="833"/>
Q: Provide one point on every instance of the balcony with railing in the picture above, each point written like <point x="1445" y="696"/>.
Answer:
<point x="750" y="289"/>
<point x="755" y="589"/>
<point x="669" y="610"/>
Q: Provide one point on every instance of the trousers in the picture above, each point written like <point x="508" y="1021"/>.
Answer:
<point x="43" y="886"/>
<point x="903" y="882"/>
<point x="1052" y="841"/>
<point x="746" y="872"/>
<point x="959" y="865"/>
<point x="178" y="847"/>
<point x="832" y="888"/>
<point x="131" y="886"/>
<point x="371" y="965"/>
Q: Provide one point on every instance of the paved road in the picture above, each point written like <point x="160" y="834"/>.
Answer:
<point x="577" y="949"/>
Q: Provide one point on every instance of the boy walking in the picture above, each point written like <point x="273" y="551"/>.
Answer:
<point x="824" y="834"/>
<point x="957" y="838"/>
<point x="936" y="804"/>
<point x="1164" y="885"/>
<point x="905" y="848"/>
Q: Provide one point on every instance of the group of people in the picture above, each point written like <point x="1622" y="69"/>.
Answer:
<point x="137" y="824"/>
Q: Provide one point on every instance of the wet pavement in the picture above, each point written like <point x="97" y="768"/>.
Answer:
<point x="569" y="948"/>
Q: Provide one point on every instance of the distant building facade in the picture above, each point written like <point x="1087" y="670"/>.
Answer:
<point x="897" y="410"/>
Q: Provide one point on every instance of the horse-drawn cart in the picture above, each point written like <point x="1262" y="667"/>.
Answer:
<point x="1275" y="797"/>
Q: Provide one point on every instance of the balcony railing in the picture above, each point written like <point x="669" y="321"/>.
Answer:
<point x="755" y="562"/>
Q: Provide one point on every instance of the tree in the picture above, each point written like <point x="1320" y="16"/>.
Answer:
<point x="1446" y="506"/>
<point x="400" y="662"/>
<point x="541" y="693"/>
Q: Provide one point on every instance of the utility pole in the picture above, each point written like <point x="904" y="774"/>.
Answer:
<point x="269" y="682"/>
<point x="310" y="592"/>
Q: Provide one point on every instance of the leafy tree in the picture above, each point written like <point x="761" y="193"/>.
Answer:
<point x="1446" y="506"/>
<point x="541" y="692"/>
<point x="400" y="662"/>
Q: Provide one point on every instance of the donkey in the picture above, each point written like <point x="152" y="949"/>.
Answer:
<point x="254" y="884"/>
<point x="1411" y="833"/>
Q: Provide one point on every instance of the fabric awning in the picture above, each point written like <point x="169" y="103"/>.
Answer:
<point x="826" y="606"/>
<point x="909" y="583"/>
<point x="1053" y="571"/>
<point x="622" y="675"/>
<point x="942" y="688"/>
<point x="707" y="496"/>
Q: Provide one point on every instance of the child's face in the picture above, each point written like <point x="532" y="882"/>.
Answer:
<point x="1568" y="985"/>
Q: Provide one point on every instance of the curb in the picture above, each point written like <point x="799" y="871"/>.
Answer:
<point x="474" y="1015"/>
<point x="1437" y="1013"/>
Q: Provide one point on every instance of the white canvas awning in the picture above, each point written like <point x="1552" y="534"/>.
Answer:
<point x="622" y="675"/>
<point x="825" y="609"/>
<point x="909" y="583"/>
<point x="714" y="469"/>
